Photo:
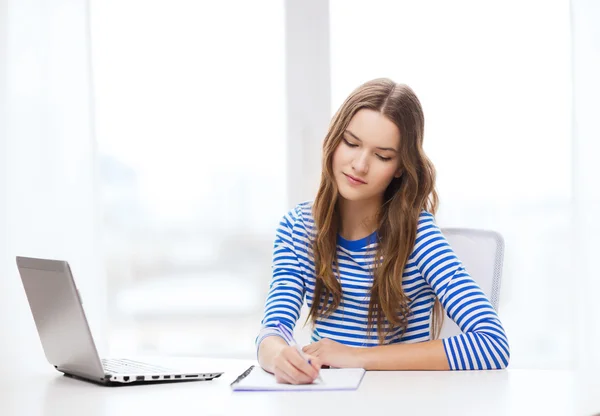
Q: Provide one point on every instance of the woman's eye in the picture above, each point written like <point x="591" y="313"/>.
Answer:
<point x="350" y="144"/>
<point x="385" y="159"/>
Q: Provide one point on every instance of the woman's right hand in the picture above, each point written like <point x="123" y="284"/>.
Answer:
<point x="291" y="368"/>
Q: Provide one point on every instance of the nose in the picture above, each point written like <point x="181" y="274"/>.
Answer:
<point x="360" y="163"/>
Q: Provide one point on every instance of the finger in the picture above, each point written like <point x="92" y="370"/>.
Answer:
<point x="315" y="362"/>
<point x="311" y="348"/>
<point x="289" y="361"/>
<point x="281" y="377"/>
<point x="315" y="352"/>
<point x="282" y="373"/>
<point x="302" y="365"/>
<point x="294" y="375"/>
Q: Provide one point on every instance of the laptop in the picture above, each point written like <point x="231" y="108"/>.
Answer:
<point x="65" y="334"/>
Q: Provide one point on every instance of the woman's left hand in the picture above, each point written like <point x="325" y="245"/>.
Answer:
<point x="333" y="353"/>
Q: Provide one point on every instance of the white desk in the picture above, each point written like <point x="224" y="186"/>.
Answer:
<point x="510" y="392"/>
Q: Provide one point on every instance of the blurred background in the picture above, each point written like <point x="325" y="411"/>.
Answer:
<point x="156" y="145"/>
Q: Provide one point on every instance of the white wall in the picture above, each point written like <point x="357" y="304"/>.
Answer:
<point x="46" y="164"/>
<point x="308" y="94"/>
<point x="4" y="282"/>
<point x="586" y="176"/>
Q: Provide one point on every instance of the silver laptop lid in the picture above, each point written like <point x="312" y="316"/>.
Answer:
<point x="59" y="317"/>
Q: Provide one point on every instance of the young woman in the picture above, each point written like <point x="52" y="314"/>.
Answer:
<point x="369" y="258"/>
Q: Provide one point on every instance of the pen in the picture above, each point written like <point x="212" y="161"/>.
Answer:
<point x="289" y="338"/>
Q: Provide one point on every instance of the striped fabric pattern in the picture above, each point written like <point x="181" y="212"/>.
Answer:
<point x="432" y="270"/>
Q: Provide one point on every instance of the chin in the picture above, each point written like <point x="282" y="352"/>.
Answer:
<point x="354" y="198"/>
<point x="350" y="194"/>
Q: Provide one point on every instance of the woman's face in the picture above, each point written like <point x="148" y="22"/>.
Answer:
<point x="367" y="159"/>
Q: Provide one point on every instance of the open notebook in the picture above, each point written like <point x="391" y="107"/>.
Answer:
<point x="257" y="379"/>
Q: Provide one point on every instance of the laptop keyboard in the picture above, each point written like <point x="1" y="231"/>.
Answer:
<point x="125" y="366"/>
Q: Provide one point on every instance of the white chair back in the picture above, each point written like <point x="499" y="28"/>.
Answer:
<point x="482" y="254"/>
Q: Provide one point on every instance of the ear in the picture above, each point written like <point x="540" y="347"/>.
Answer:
<point x="398" y="173"/>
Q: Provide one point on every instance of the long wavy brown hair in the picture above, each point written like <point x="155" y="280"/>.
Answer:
<point x="403" y="201"/>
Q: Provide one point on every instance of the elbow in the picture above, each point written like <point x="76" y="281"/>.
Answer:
<point x="502" y="358"/>
<point x="505" y="360"/>
<point x="498" y="349"/>
<point x="506" y="355"/>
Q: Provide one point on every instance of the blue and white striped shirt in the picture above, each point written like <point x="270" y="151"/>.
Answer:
<point x="432" y="270"/>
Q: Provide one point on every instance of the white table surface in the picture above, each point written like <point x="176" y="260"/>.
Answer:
<point x="506" y="392"/>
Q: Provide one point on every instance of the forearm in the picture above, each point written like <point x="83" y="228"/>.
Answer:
<point x="428" y="355"/>
<point x="268" y="349"/>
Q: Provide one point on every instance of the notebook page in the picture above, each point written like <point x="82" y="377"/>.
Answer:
<point x="258" y="379"/>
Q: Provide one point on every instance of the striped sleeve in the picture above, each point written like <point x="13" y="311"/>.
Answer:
<point x="483" y="344"/>
<point x="287" y="287"/>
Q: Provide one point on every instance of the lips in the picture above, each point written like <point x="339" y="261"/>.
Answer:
<point x="355" y="180"/>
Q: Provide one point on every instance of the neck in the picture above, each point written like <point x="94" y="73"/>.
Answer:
<point x="358" y="218"/>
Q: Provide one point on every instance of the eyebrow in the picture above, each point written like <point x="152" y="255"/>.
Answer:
<point x="380" y="148"/>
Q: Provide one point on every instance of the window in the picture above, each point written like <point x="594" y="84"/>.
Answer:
<point x="494" y="82"/>
<point x="190" y="126"/>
